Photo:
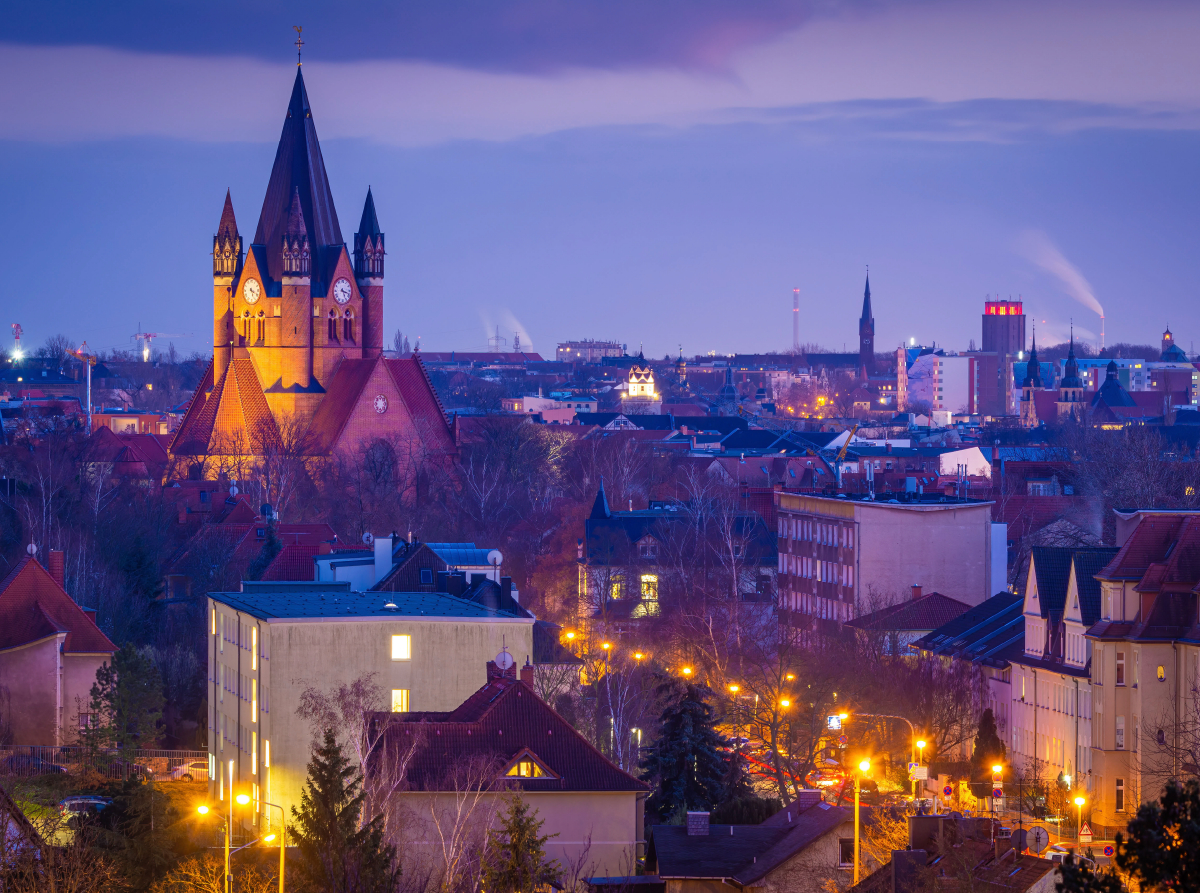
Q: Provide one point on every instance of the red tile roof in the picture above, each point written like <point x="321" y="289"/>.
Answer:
<point x="341" y="395"/>
<point x="925" y="613"/>
<point x="294" y="563"/>
<point x="1149" y="543"/>
<point x="33" y="606"/>
<point x="235" y="411"/>
<point x="500" y="721"/>
<point x="422" y="401"/>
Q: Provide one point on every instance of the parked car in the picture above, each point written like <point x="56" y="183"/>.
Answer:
<point x="81" y="805"/>
<point x="126" y="769"/>
<point x="27" y="764"/>
<point x="196" y="770"/>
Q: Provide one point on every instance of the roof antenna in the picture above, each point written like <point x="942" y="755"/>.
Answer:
<point x="299" y="43"/>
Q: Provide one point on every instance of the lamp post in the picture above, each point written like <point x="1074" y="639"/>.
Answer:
<point x="282" y="838"/>
<point x="920" y="759"/>
<point x="913" y="743"/>
<point x="863" y="768"/>
<point x="1079" y="801"/>
<point x="997" y="780"/>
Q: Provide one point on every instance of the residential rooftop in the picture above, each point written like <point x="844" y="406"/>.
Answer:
<point x="334" y="599"/>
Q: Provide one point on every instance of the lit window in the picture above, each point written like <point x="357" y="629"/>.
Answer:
<point x="266" y="753"/>
<point x="254" y="647"/>
<point x="526" y="769"/>
<point x="650" y="586"/>
<point x="402" y="647"/>
<point x="254" y="753"/>
<point x="253" y="700"/>
<point x="615" y="590"/>
<point x="214" y="621"/>
<point x="399" y="700"/>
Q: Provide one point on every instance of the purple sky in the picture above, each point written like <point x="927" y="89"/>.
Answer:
<point x="659" y="172"/>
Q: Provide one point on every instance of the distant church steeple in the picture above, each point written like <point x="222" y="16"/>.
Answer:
<point x="227" y="243"/>
<point x="368" y="243"/>
<point x="866" y="333"/>
<point x="296" y="250"/>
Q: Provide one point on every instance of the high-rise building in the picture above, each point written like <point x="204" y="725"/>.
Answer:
<point x="1003" y="327"/>
<point x="588" y="351"/>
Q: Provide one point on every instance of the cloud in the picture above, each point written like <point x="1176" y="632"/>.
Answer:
<point x="1037" y="247"/>
<point x="1113" y="64"/>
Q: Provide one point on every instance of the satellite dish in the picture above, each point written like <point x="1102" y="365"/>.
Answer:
<point x="504" y="660"/>
<point x="233" y="490"/>
<point x="265" y="509"/>
<point x="368" y="538"/>
<point x="494" y="558"/>
<point x="31" y="548"/>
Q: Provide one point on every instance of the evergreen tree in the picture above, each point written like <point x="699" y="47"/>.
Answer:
<point x="271" y="547"/>
<point x="127" y="700"/>
<point x="686" y="765"/>
<point x="336" y="854"/>
<point x="1162" y="850"/>
<point x="988" y="750"/>
<point x="517" y="860"/>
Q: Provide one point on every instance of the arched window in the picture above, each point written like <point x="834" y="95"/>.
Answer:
<point x="262" y="327"/>
<point x="348" y="326"/>
<point x="246" y="325"/>
<point x="333" y="325"/>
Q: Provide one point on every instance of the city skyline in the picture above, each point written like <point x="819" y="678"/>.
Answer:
<point x="669" y="188"/>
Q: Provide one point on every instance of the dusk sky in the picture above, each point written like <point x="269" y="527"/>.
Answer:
<point x="651" y="171"/>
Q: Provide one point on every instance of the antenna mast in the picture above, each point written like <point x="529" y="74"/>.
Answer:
<point x="796" y="320"/>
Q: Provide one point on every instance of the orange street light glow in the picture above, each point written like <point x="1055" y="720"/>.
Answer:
<point x="865" y="765"/>
<point x="606" y="645"/>
<point x="921" y="745"/>
<point x="785" y="703"/>
<point x="997" y="768"/>
<point x="243" y="799"/>
<point x="733" y="688"/>
<point x="687" y="671"/>
<point x="570" y="635"/>
<point x="203" y="810"/>
<point x="638" y="655"/>
<point x="790" y="676"/>
<point x="843" y="716"/>
<point x="1079" y="801"/>
<point x="268" y="838"/>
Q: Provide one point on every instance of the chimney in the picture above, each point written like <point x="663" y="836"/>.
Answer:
<point x="506" y="588"/>
<point x="56" y="566"/>
<point x="383" y="557"/>
<point x="697" y="824"/>
<point x="916" y="591"/>
<point x="579" y="550"/>
<point x="527" y="672"/>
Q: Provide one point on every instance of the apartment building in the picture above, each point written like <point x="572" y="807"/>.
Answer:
<point x="271" y="641"/>
<point x="846" y="555"/>
<point x="1145" y="671"/>
<point x="1051" y="689"/>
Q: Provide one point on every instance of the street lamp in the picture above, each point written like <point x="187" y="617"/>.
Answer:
<point x="784" y="702"/>
<point x="734" y="688"/>
<point x="920" y="759"/>
<point x="687" y="671"/>
<point x="997" y="779"/>
<point x="863" y="768"/>
<point x="282" y="838"/>
<point x="1079" y="801"/>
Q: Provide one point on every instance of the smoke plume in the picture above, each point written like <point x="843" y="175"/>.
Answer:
<point x="1037" y="247"/>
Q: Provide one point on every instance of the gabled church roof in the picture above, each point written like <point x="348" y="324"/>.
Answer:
<point x="33" y="606"/>
<point x="235" y="413"/>
<point x="298" y="169"/>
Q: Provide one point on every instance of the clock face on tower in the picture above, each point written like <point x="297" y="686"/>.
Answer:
<point x="341" y="291"/>
<point x="251" y="291"/>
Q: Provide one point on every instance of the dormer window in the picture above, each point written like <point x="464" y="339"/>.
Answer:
<point x="526" y="765"/>
<point x="647" y="547"/>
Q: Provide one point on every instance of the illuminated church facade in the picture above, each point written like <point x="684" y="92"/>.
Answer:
<point x="298" y="329"/>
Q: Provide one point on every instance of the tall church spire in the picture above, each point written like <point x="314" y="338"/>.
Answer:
<point x="866" y="333"/>
<point x="299" y="170"/>
<point x="296" y="250"/>
<point x="227" y="243"/>
<point x="368" y="243"/>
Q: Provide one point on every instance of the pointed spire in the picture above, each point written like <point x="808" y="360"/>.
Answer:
<point x="295" y="223"/>
<point x="299" y="169"/>
<point x="369" y="225"/>
<point x="368" y="242"/>
<point x="227" y="243"/>
<point x="600" y="510"/>
<point x="866" y="314"/>
<point x="228" y="226"/>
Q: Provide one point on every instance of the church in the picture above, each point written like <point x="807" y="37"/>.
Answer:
<point x="298" y="361"/>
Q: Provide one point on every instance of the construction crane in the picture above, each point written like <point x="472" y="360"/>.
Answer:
<point x="841" y="455"/>
<point x="17" y="333"/>
<point x="146" y="337"/>
<point x="89" y="360"/>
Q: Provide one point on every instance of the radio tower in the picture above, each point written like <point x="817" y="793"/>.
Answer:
<point x="796" y="320"/>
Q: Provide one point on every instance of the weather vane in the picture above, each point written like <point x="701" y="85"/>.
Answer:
<point x="299" y="42"/>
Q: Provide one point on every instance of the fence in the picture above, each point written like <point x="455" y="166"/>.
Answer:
<point x="27" y="761"/>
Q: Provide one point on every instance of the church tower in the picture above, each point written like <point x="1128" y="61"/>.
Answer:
<point x="368" y="271"/>
<point x="866" y="334"/>
<point x="1032" y="382"/>
<point x="1070" y="389"/>
<point x="227" y="265"/>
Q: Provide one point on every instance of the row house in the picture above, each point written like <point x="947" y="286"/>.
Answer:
<point x="1051" y="735"/>
<point x="1145" y="669"/>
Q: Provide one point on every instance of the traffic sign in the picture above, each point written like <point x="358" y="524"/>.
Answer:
<point x="997" y="793"/>
<point x="842" y="740"/>
<point x="1085" y="834"/>
<point x="920" y="773"/>
<point x="833" y="722"/>
<point x="947" y="791"/>
<point x="1108" y="851"/>
<point x="1039" y="838"/>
